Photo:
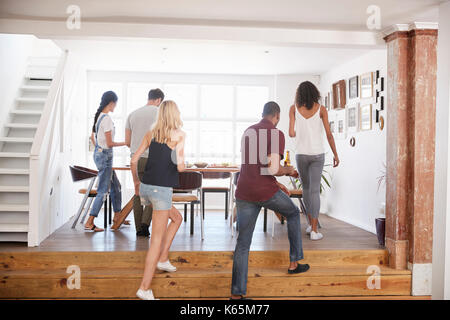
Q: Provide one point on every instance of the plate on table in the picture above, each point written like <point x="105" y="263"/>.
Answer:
<point x="222" y="165"/>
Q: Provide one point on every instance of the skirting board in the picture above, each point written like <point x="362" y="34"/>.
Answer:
<point x="421" y="278"/>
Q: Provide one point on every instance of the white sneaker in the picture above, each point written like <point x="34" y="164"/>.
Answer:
<point x="308" y="229"/>
<point x="316" y="235"/>
<point x="166" y="266"/>
<point x="145" y="295"/>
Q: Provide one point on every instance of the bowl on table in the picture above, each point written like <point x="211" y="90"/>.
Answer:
<point x="201" y="165"/>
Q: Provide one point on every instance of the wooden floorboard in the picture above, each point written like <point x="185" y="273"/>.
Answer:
<point x="338" y="235"/>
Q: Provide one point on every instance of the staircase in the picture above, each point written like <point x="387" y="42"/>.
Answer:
<point x="207" y="274"/>
<point x="15" y="147"/>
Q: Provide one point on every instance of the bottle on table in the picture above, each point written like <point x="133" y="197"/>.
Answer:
<point x="287" y="160"/>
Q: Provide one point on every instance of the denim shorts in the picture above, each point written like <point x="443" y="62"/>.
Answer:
<point x="159" y="197"/>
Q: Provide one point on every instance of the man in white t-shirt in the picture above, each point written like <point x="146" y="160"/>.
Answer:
<point x="139" y="122"/>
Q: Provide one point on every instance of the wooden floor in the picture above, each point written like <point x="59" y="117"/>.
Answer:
<point x="338" y="235"/>
<point x="111" y="260"/>
<point x="201" y="274"/>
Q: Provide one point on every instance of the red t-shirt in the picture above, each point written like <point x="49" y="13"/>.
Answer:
<point x="258" y="142"/>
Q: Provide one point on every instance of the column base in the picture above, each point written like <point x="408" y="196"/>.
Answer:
<point x="398" y="253"/>
<point x="421" y="278"/>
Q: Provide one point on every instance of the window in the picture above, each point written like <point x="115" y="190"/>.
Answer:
<point x="214" y="115"/>
<point x="137" y="94"/>
<point x="216" y="102"/>
<point x="250" y="101"/>
<point x="185" y="95"/>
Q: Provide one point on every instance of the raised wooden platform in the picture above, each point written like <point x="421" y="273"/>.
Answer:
<point x="112" y="275"/>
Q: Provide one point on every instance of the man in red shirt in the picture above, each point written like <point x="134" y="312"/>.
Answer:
<point x="262" y="148"/>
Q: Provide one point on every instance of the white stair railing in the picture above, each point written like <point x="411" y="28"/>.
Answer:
<point x="44" y="155"/>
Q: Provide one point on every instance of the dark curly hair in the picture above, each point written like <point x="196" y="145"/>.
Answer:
<point x="307" y="94"/>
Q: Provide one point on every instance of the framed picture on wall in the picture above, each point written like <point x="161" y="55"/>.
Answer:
<point x="332" y="121"/>
<point x="330" y="99"/>
<point x="339" y="95"/>
<point x="353" y="87"/>
<point x="366" y="85"/>
<point x="352" y="117"/>
<point x="365" y="116"/>
<point x="340" y="123"/>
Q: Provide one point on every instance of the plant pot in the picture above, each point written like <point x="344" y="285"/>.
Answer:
<point x="380" y="224"/>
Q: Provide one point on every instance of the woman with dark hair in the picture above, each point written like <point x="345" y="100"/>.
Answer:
<point x="103" y="138"/>
<point x="308" y="121"/>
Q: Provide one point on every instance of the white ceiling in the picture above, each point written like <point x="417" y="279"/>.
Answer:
<point x="212" y="56"/>
<point x="191" y="56"/>
<point x="324" y="14"/>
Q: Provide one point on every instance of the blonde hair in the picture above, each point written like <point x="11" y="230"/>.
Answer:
<point x="168" y="120"/>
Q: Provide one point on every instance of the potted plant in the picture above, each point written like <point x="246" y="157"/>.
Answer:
<point x="380" y="223"/>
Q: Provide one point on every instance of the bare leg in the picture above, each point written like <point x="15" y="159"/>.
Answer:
<point x="313" y="223"/>
<point x="169" y="235"/>
<point x="90" y="223"/>
<point x="159" y="226"/>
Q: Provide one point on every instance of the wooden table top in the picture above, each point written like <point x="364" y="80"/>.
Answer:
<point x="207" y="169"/>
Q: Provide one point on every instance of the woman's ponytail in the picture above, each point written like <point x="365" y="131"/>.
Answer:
<point x="107" y="98"/>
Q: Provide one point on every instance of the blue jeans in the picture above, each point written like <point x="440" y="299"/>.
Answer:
<point x="107" y="180"/>
<point x="247" y="213"/>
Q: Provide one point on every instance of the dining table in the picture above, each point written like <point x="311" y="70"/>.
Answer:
<point x="211" y="168"/>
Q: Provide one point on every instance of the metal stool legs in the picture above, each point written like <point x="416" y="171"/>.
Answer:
<point x="83" y="202"/>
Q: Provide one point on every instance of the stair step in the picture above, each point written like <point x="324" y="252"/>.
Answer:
<point x="193" y="259"/>
<point x="14" y="171"/>
<point x="35" y="88"/>
<point x="201" y="283"/>
<point x="14" y="188"/>
<point x="31" y="100"/>
<point x="16" y="140"/>
<point x="21" y="125"/>
<point x="27" y="112"/>
<point x="13" y="227"/>
<point x="14" y="155"/>
<point x="14" y="208"/>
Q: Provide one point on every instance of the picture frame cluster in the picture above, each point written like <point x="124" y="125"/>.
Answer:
<point x="357" y="108"/>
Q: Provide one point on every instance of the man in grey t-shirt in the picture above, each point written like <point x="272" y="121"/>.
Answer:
<point x="139" y="122"/>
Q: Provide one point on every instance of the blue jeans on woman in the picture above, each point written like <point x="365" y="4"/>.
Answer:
<point x="107" y="181"/>
<point x="247" y="214"/>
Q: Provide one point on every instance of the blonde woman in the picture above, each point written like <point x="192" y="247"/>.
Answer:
<point x="165" y="144"/>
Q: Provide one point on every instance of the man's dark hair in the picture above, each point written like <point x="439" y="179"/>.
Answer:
<point x="155" y="94"/>
<point x="271" y="108"/>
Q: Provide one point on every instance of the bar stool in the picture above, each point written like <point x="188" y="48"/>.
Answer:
<point x="225" y="190"/>
<point x="189" y="182"/>
<point x="80" y="174"/>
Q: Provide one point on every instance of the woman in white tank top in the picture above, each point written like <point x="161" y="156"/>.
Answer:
<point x="308" y="124"/>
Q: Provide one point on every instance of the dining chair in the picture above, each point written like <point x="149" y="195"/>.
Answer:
<point x="225" y="190"/>
<point x="188" y="183"/>
<point x="80" y="174"/>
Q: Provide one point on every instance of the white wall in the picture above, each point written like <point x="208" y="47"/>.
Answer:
<point x="353" y="196"/>
<point x="441" y="227"/>
<point x="57" y="199"/>
<point x="14" y="53"/>
<point x="74" y="146"/>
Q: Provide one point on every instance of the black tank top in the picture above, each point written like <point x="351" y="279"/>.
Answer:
<point x="161" y="170"/>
